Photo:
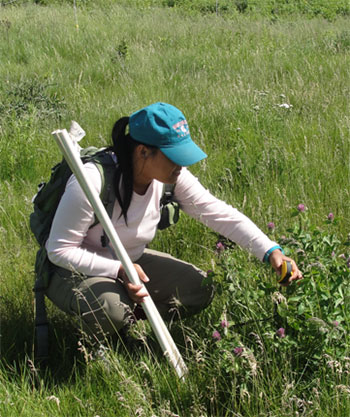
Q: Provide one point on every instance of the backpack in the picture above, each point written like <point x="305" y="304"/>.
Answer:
<point x="49" y="194"/>
<point x="45" y="205"/>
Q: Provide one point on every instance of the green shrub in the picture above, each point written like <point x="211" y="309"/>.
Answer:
<point x="325" y="8"/>
<point x="27" y="97"/>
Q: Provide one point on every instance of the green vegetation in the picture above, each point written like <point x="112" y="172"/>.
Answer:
<point x="273" y="8"/>
<point x="265" y="87"/>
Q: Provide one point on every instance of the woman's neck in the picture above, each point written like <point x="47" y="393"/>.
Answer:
<point x="140" y="188"/>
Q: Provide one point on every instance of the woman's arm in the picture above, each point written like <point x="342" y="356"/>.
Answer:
<point x="199" y="203"/>
<point x="71" y="223"/>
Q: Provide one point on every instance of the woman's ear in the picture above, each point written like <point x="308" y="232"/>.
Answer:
<point x="143" y="152"/>
<point x="140" y="152"/>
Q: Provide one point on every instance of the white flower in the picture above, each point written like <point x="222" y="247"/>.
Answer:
<point x="285" y="106"/>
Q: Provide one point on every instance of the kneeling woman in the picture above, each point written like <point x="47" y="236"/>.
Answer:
<point x="153" y="147"/>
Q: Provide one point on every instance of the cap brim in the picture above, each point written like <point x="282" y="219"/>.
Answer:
<point x="184" y="153"/>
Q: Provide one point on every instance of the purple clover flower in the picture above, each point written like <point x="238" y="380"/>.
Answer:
<point x="216" y="335"/>
<point x="220" y="247"/>
<point x="224" y="323"/>
<point x="237" y="351"/>
<point x="330" y="217"/>
<point x="301" y="207"/>
<point x="335" y="323"/>
<point x="281" y="332"/>
<point x="271" y="225"/>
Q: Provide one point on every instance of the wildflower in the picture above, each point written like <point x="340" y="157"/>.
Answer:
<point x="216" y="335"/>
<point x="220" y="247"/>
<point x="281" y="332"/>
<point x="271" y="225"/>
<point x="335" y="323"/>
<point x="333" y="254"/>
<point x="342" y="256"/>
<point x="301" y="207"/>
<point x="330" y="217"/>
<point x="238" y="351"/>
<point x="224" y="323"/>
<point x="285" y="106"/>
<point x="348" y="262"/>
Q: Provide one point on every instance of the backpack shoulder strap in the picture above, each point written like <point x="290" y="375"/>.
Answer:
<point x="107" y="171"/>
<point x="107" y="166"/>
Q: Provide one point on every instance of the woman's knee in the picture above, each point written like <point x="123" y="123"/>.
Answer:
<point x="197" y="302"/>
<point x="103" y="305"/>
<point x="103" y="317"/>
<point x="187" y="303"/>
<point x="100" y="304"/>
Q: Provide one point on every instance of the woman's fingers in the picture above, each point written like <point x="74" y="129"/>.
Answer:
<point x="141" y="273"/>
<point x="136" y="292"/>
<point x="296" y="273"/>
<point x="276" y="260"/>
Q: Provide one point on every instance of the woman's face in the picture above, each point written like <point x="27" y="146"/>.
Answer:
<point x="153" y="164"/>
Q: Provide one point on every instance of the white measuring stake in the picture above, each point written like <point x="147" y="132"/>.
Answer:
<point x="72" y="156"/>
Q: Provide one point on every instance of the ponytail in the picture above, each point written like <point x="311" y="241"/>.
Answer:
<point x="123" y="146"/>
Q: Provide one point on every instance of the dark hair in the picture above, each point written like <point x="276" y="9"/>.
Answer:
<point x="123" y="147"/>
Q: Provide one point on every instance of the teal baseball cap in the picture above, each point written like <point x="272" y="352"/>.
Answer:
<point x="164" y="126"/>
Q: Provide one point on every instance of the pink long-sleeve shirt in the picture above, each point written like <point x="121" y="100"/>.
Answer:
<point x="73" y="244"/>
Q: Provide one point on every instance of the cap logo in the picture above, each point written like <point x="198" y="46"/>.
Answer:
<point x="181" y="128"/>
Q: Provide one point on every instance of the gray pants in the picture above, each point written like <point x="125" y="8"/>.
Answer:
<point x="104" y="307"/>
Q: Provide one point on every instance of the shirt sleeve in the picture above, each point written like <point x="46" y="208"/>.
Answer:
<point x="73" y="217"/>
<point x="200" y="204"/>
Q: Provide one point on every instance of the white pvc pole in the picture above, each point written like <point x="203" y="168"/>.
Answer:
<point x="164" y="338"/>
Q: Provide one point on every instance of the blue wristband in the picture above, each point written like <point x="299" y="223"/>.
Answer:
<point x="268" y="253"/>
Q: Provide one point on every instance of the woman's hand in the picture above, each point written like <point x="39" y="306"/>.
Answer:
<point x="136" y="292"/>
<point x="276" y="260"/>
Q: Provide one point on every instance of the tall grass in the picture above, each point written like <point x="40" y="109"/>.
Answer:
<point x="267" y="99"/>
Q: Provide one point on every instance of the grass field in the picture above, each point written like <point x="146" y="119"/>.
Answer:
<point x="266" y="93"/>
